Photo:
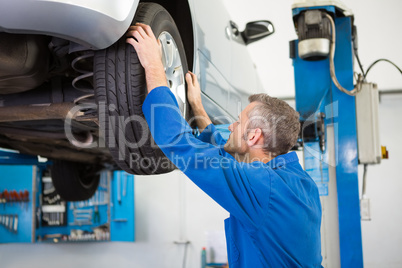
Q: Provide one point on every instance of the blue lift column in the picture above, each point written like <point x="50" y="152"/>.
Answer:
<point x="329" y="116"/>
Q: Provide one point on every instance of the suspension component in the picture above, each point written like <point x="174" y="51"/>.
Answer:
<point x="82" y="81"/>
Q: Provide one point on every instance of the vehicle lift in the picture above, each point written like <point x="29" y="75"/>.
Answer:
<point x="336" y="136"/>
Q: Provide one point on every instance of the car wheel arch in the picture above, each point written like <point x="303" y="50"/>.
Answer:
<point x="181" y="14"/>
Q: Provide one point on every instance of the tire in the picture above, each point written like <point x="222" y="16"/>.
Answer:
<point x="120" y="90"/>
<point x="75" y="181"/>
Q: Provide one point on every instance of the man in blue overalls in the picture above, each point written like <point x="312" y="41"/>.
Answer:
<point x="274" y="205"/>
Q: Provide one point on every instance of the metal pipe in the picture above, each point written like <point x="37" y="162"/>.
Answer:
<point x="87" y="141"/>
<point x="359" y="79"/>
<point x="364" y="181"/>
<point x="36" y="112"/>
<point x="9" y="131"/>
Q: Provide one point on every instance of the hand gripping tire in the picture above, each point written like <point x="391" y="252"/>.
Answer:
<point x="120" y="88"/>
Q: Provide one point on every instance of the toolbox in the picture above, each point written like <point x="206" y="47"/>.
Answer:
<point x="31" y="210"/>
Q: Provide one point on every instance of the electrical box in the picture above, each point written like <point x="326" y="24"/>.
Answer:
<point x="368" y="132"/>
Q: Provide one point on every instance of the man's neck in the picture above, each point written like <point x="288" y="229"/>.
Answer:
<point x="253" y="156"/>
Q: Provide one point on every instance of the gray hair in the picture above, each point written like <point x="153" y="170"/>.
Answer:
<point x="278" y="121"/>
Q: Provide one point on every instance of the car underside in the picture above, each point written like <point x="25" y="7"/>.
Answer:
<point x="72" y="90"/>
<point x="38" y="88"/>
<point x="42" y="78"/>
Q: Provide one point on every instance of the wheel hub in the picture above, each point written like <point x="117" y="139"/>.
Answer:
<point x="173" y="69"/>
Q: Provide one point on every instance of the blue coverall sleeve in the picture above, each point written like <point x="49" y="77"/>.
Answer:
<point x="221" y="177"/>
<point x="212" y="136"/>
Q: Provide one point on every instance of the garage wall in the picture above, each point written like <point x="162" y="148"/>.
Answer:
<point x="382" y="236"/>
<point x="378" y="29"/>
<point x="160" y="220"/>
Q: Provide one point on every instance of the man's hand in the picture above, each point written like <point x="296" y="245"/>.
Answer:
<point x="194" y="98"/>
<point x="193" y="90"/>
<point x="149" y="52"/>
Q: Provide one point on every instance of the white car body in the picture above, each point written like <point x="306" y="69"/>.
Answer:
<point x="67" y="73"/>
<point x="221" y="60"/>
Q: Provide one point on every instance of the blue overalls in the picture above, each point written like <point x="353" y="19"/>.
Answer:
<point x="275" y="210"/>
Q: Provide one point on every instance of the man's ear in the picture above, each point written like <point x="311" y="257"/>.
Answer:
<point x="254" y="137"/>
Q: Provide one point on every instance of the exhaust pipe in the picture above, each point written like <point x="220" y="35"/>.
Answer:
<point x="36" y="112"/>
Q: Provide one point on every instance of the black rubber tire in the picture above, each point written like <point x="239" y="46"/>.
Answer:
<point x="120" y="83"/>
<point x="75" y="181"/>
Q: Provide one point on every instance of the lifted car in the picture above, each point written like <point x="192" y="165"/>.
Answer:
<point x="71" y="88"/>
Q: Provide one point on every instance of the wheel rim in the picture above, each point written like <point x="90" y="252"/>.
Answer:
<point x="173" y="69"/>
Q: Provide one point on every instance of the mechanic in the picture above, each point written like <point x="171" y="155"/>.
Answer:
<point x="274" y="206"/>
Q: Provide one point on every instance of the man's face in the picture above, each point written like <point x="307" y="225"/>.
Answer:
<point x="237" y="144"/>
